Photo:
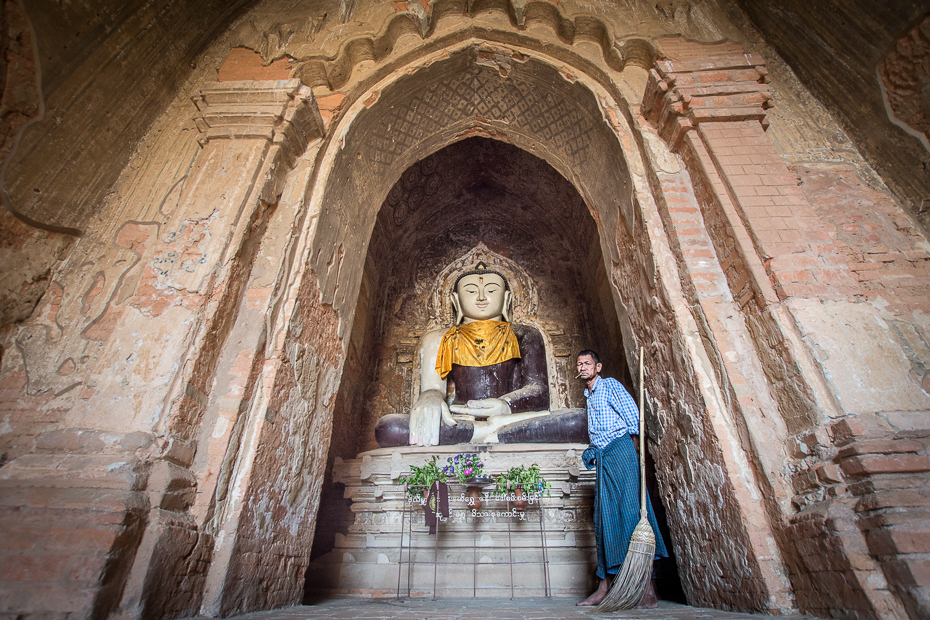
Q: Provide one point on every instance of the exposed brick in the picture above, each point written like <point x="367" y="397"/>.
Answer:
<point x="899" y="539"/>
<point x="870" y="464"/>
<point x="72" y="541"/>
<point x="56" y="597"/>
<point x="913" y="570"/>
<point x="890" y="499"/>
<point x="853" y="428"/>
<point x="893" y="516"/>
<point x="18" y="538"/>
<point x="828" y="472"/>
<point x="34" y="567"/>
<point x="244" y="64"/>
<point x="880" y="446"/>
<point x="86" y="569"/>
<point x="886" y="482"/>
<point x="330" y="106"/>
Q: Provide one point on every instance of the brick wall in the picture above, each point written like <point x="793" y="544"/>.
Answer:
<point x="795" y="245"/>
<point x="890" y="479"/>
<point x="885" y="249"/>
<point x="69" y="524"/>
<point x="855" y="542"/>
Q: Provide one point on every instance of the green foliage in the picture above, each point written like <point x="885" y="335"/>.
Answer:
<point x="420" y="479"/>
<point x="528" y="478"/>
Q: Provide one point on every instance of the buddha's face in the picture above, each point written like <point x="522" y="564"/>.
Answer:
<point x="481" y="297"/>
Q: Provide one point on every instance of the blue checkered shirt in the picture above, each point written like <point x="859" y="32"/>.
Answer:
<point x="612" y="412"/>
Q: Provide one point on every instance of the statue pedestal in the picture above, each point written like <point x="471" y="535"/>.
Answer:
<point x="475" y="555"/>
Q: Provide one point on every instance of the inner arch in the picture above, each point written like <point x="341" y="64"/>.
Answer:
<point x="476" y="91"/>
<point x="473" y="191"/>
<point x="378" y="237"/>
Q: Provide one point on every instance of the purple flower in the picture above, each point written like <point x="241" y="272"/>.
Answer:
<point x="468" y="471"/>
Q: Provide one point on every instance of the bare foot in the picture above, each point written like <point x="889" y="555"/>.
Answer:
<point x="649" y="600"/>
<point x="602" y="589"/>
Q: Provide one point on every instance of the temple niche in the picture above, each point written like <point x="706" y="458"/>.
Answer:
<point x="477" y="199"/>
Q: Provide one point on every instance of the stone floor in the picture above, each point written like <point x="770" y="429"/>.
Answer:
<point x="454" y="609"/>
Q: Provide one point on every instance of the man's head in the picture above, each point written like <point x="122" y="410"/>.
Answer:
<point x="589" y="365"/>
<point x="481" y="295"/>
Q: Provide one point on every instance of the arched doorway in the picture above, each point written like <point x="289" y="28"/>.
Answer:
<point x="570" y="121"/>
<point x="475" y="191"/>
<point x="742" y="402"/>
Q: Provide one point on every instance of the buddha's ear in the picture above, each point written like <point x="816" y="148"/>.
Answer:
<point x="508" y="303"/>
<point x="458" y="308"/>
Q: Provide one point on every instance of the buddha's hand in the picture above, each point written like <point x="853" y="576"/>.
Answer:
<point x="425" y="417"/>
<point x="485" y="407"/>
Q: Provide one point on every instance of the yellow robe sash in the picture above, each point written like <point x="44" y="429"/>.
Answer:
<point x="479" y="343"/>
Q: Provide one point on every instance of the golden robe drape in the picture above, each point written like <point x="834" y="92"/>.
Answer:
<point x="479" y="343"/>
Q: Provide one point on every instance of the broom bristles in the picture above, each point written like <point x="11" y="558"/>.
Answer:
<point x="630" y="583"/>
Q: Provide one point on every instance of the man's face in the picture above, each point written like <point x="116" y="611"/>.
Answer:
<point x="481" y="296"/>
<point x="587" y="368"/>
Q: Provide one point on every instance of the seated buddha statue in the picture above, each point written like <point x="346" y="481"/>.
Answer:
<point x="499" y="374"/>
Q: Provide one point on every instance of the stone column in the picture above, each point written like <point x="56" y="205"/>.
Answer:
<point x="114" y="470"/>
<point x="231" y="227"/>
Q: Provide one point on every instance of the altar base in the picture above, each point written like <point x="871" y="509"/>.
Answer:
<point x="485" y="555"/>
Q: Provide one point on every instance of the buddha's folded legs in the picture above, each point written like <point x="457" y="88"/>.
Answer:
<point x="560" y="426"/>
<point x="393" y="430"/>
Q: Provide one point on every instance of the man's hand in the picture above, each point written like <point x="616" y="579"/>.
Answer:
<point x="484" y="408"/>
<point x="426" y="416"/>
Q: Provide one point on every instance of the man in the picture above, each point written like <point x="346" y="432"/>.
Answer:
<point x="612" y="418"/>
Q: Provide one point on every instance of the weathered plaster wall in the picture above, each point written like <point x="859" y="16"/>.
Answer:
<point x="108" y="69"/>
<point x="128" y="296"/>
<point x="26" y="253"/>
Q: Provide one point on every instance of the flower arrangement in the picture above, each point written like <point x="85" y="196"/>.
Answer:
<point x="422" y="478"/>
<point x="527" y="478"/>
<point x="465" y="467"/>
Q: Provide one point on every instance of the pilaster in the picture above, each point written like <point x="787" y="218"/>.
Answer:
<point x="782" y="283"/>
<point x="252" y="136"/>
<point x="713" y="112"/>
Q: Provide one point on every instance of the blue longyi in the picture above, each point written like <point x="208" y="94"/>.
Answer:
<point x="616" y="503"/>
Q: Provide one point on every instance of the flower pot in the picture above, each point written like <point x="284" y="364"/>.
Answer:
<point x="474" y="496"/>
<point x="520" y="502"/>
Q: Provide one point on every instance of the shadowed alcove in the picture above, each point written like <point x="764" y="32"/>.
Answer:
<point x="475" y="191"/>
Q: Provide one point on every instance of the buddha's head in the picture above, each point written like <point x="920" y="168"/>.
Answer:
<point x="481" y="295"/>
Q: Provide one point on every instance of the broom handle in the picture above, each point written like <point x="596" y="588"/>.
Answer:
<point x="642" y="443"/>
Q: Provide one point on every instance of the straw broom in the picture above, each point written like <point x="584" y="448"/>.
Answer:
<point x="630" y="583"/>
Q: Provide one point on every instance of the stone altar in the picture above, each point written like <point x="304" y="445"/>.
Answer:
<point x="364" y="561"/>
